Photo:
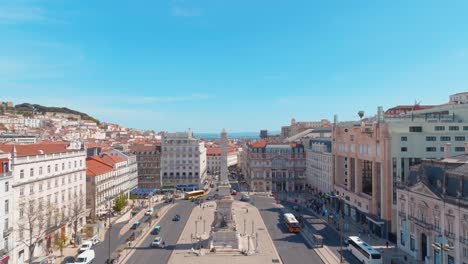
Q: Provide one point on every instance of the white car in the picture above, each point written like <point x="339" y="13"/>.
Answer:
<point x="156" y="242"/>
<point x="86" y="257"/>
<point x="149" y="212"/>
<point x="85" y="246"/>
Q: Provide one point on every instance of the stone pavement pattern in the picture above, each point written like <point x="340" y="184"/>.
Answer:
<point x="188" y="251"/>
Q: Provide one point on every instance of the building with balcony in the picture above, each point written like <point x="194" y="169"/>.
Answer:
<point x="6" y="208"/>
<point x="49" y="183"/>
<point x="433" y="209"/>
<point x="108" y="176"/>
<point x="149" y="165"/>
<point x="276" y="167"/>
<point x="183" y="160"/>
<point x="319" y="165"/>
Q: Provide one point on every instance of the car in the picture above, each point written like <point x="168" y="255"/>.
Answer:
<point x="176" y="218"/>
<point x="169" y="200"/>
<point x="68" y="260"/>
<point x="86" y="257"/>
<point x="234" y="192"/>
<point x="193" y="199"/>
<point x="209" y="198"/>
<point x="149" y="212"/>
<point x="156" y="230"/>
<point x="95" y="240"/>
<point x="156" y="242"/>
<point x="135" y="225"/>
<point x="216" y="196"/>
<point x="245" y="198"/>
<point x="85" y="246"/>
<point x="296" y="208"/>
<point x="199" y="201"/>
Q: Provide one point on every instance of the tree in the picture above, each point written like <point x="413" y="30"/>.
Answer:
<point x="60" y="241"/>
<point x="33" y="223"/>
<point x="120" y="202"/>
<point x="77" y="210"/>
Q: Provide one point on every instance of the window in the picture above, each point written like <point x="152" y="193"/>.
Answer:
<point x="31" y="172"/>
<point x="21" y="174"/>
<point x="48" y="184"/>
<point x="63" y="165"/>
<point x="461" y="138"/>
<point x="75" y="163"/>
<point x="7" y="224"/>
<point x="81" y="163"/>
<point x="465" y="128"/>
<point x="7" y="206"/>
<point x="431" y="149"/>
<point x="445" y="139"/>
<point x="7" y="186"/>
<point x="48" y="168"/>
<point x="69" y="164"/>
<point x="404" y="149"/>
<point x="40" y="187"/>
<point x="439" y="128"/>
<point x="404" y="138"/>
<point x="465" y="252"/>
<point x="40" y="170"/>
<point x="56" y="182"/>
<point x="21" y="191"/>
<point x="21" y="211"/>
<point x="441" y="149"/>
<point x="412" y="244"/>
<point x="56" y="167"/>
<point x="431" y="138"/>
<point x="31" y="188"/>
<point x="454" y="128"/>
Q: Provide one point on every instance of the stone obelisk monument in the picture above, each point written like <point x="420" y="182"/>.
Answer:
<point x="224" y="236"/>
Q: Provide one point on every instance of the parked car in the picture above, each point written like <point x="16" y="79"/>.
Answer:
<point x="68" y="260"/>
<point x="95" y="240"/>
<point x="149" y="212"/>
<point x="234" y="192"/>
<point x="176" y="218"/>
<point x="245" y="198"/>
<point x="156" y="230"/>
<point x="135" y="225"/>
<point x="86" y="257"/>
<point x="156" y="242"/>
<point x="85" y="246"/>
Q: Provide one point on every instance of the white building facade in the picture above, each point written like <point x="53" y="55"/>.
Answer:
<point x="183" y="160"/>
<point x="319" y="165"/>
<point x="6" y="209"/>
<point x="48" y="179"/>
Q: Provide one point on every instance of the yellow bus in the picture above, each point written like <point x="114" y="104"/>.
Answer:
<point x="194" y="194"/>
<point x="291" y="223"/>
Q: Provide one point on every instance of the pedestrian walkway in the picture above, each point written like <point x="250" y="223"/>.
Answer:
<point x="388" y="249"/>
<point x="193" y="243"/>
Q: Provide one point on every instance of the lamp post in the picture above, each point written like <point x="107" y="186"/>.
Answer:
<point x="441" y="247"/>
<point x="110" y="227"/>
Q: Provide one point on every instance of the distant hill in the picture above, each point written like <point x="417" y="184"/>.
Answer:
<point x="27" y="109"/>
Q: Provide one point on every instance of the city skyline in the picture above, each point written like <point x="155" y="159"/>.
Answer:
<point x="204" y="65"/>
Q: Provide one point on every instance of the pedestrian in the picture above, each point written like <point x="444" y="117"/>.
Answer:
<point x="387" y="244"/>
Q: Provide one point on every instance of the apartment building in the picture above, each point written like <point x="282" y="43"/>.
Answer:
<point x="433" y="211"/>
<point x="213" y="158"/>
<point x="319" y="165"/>
<point x="49" y="189"/>
<point x="149" y="165"/>
<point x="6" y="208"/>
<point x="275" y="167"/>
<point x="183" y="160"/>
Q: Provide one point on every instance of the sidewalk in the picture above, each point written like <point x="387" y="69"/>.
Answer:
<point x="352" y="228"/>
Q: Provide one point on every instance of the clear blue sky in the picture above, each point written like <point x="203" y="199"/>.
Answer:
<point x="240" y="64"/>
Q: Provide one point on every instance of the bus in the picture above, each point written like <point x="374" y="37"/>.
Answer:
<point x="187" y="188"/>
<point x="291" y="223"/>
<point x="363" y="252"/>
<point x="194" y="194"/>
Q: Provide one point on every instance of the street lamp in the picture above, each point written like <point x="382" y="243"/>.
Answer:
<point x="441" y="247"/>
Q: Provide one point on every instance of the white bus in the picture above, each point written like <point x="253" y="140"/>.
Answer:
<point x="364" y="252"/>
<point x="291" y="223"/>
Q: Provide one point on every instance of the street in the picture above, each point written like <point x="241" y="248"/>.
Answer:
<point x="170" y="232"/>
<point x="291" y="247"/>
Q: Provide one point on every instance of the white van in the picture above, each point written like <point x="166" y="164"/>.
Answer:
<point x="86" y="257"/>
<point x="85" y="246"/>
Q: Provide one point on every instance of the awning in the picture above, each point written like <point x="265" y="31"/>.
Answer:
<point x="377" y="222"/>
<point x="4" y="260"/>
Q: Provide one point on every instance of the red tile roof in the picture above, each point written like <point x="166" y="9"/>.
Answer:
<point x="96" y="167"/>
<point x="217" y="151"/>
<point x="36" y="149"/>
<point x="259" y="144"/>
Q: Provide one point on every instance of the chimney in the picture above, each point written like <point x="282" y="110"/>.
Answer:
<point x="447" y="150"/>
<point x="466" y="148"/>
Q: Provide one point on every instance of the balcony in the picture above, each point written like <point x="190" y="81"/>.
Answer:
<point x="421" y="223"/>
<point x="449" y="234"/>
<point x="464" y="241"/>
<point x="7" y="232"/>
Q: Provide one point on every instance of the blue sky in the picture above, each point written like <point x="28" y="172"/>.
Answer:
<point x="240" y="64"/>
